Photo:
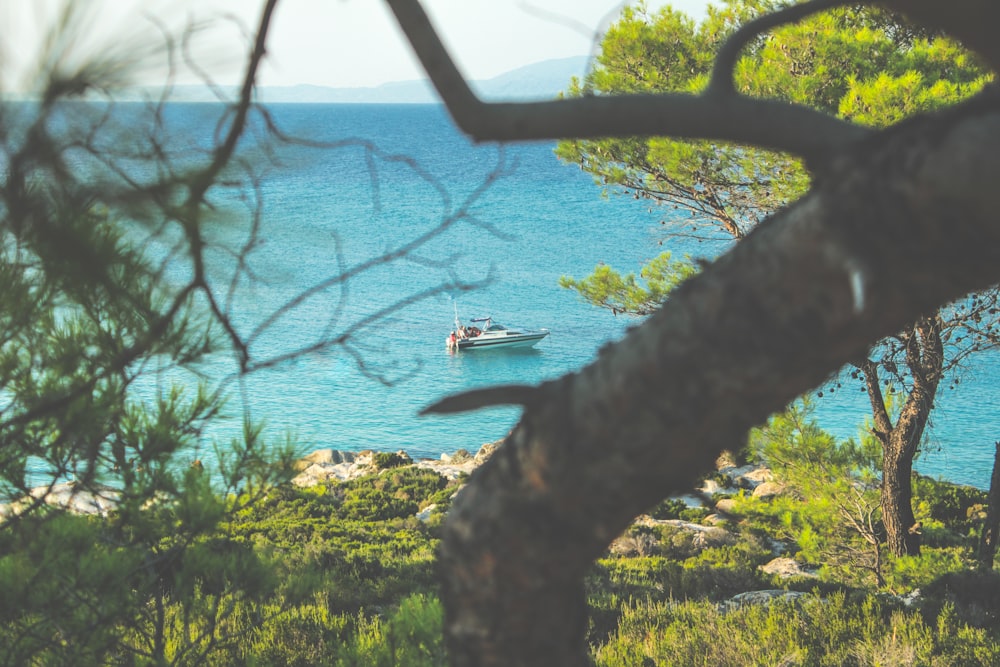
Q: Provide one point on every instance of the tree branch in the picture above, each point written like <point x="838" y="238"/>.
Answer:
<point x="769" y="124"/>
<point x="595" y="448"/>
<point x="882" y="421"/>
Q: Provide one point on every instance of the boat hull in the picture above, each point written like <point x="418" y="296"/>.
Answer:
<point x="501" y="342"/>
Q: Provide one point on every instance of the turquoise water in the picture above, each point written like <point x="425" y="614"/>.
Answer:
<point x="327" y="209"/>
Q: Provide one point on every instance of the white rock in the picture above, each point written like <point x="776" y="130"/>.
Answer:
<point x="757" y="476"/>
<point x="712" y="488"/>
<point x="786" y="568"/>
<point x="768" y="490"/>
<point x="450" y="471"/>
<point x="99" y="500"/>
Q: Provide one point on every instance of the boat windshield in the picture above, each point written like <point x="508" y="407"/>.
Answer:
<point x="496" y="327"/>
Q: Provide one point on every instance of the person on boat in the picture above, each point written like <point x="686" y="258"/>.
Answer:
<point x="452" y="341"/>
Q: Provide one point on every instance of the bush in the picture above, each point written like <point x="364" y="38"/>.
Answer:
<point x="304" y="636"/>
<point x="836" y="630"/>
<point x="974" y="598"/>
<point x="412" y="636"/>
<point x="387" y="460"/>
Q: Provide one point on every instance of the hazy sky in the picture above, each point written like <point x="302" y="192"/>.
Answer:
<point x="357" y="42"/>
<point x="328" y="42"/>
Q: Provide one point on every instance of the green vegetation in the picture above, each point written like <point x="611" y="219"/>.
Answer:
<point x="342" y="573"/>
<point x="330" y="575"/>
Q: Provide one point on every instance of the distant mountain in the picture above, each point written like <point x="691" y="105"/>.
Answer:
<point x="538" y="81"/>
<point x="542" y="80"/>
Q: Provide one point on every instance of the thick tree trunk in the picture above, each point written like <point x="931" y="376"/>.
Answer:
<point x="991" y="529"/>
<point x="901" y="530"/>
<point x="901" y="226"/>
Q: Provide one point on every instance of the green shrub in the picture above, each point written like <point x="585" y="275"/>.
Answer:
<point x="302" y="636"/>
<point x="838" y="630"/>
<point x="973" y="596"/>
<point x="412" y="636"/>
<point x="386" y="460"/>
<point x="951" y="514"/>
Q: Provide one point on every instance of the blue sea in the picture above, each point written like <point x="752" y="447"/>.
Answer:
<point x="517" y="219"/>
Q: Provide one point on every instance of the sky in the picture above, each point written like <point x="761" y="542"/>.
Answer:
<point x="339" y="43"/>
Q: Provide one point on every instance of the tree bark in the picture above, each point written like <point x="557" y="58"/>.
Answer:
<point x="901" y="441"/>
<point x="894" y="228"/>
<point x="991" y="529"/>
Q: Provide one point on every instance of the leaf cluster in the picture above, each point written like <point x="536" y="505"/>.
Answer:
<point x="607" y="288"/>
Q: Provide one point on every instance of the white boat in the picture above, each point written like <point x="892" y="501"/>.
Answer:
<point x="491" y="336"/>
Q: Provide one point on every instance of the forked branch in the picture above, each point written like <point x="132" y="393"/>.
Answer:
<point x="726" y="116"/>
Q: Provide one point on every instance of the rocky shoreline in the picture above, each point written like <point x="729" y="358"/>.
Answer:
<point x="329" y="465"/>
<point x="325" y="465"/>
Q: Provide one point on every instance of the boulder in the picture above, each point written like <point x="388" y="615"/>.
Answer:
<point x="748" y="476"/>
<point x="325" y="457"/>
<point x="448" y="469"/>
<point x="705" y="536"/>
<point x="712" y="537"/>
<point x="425" y="514"/>
<point x="486" y="450"/>
<point x="461" y="456"/>
<point x="351" y="466"/>
<point x="768" y="490"/>
<point x="726" y="505"/>
<point x="786" y="568"/>
<point x="912" y="599"/>
<point x="756" y="477"/>
<point x="777" y="547"/>
<point x="96" y="500"/>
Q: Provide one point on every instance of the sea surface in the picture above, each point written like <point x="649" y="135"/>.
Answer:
<point x="371" y="180"/>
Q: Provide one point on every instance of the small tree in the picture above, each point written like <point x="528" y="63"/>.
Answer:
<point x="839" y="522"/>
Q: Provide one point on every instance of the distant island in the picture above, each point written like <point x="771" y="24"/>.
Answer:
<point x="538" y="81"/>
